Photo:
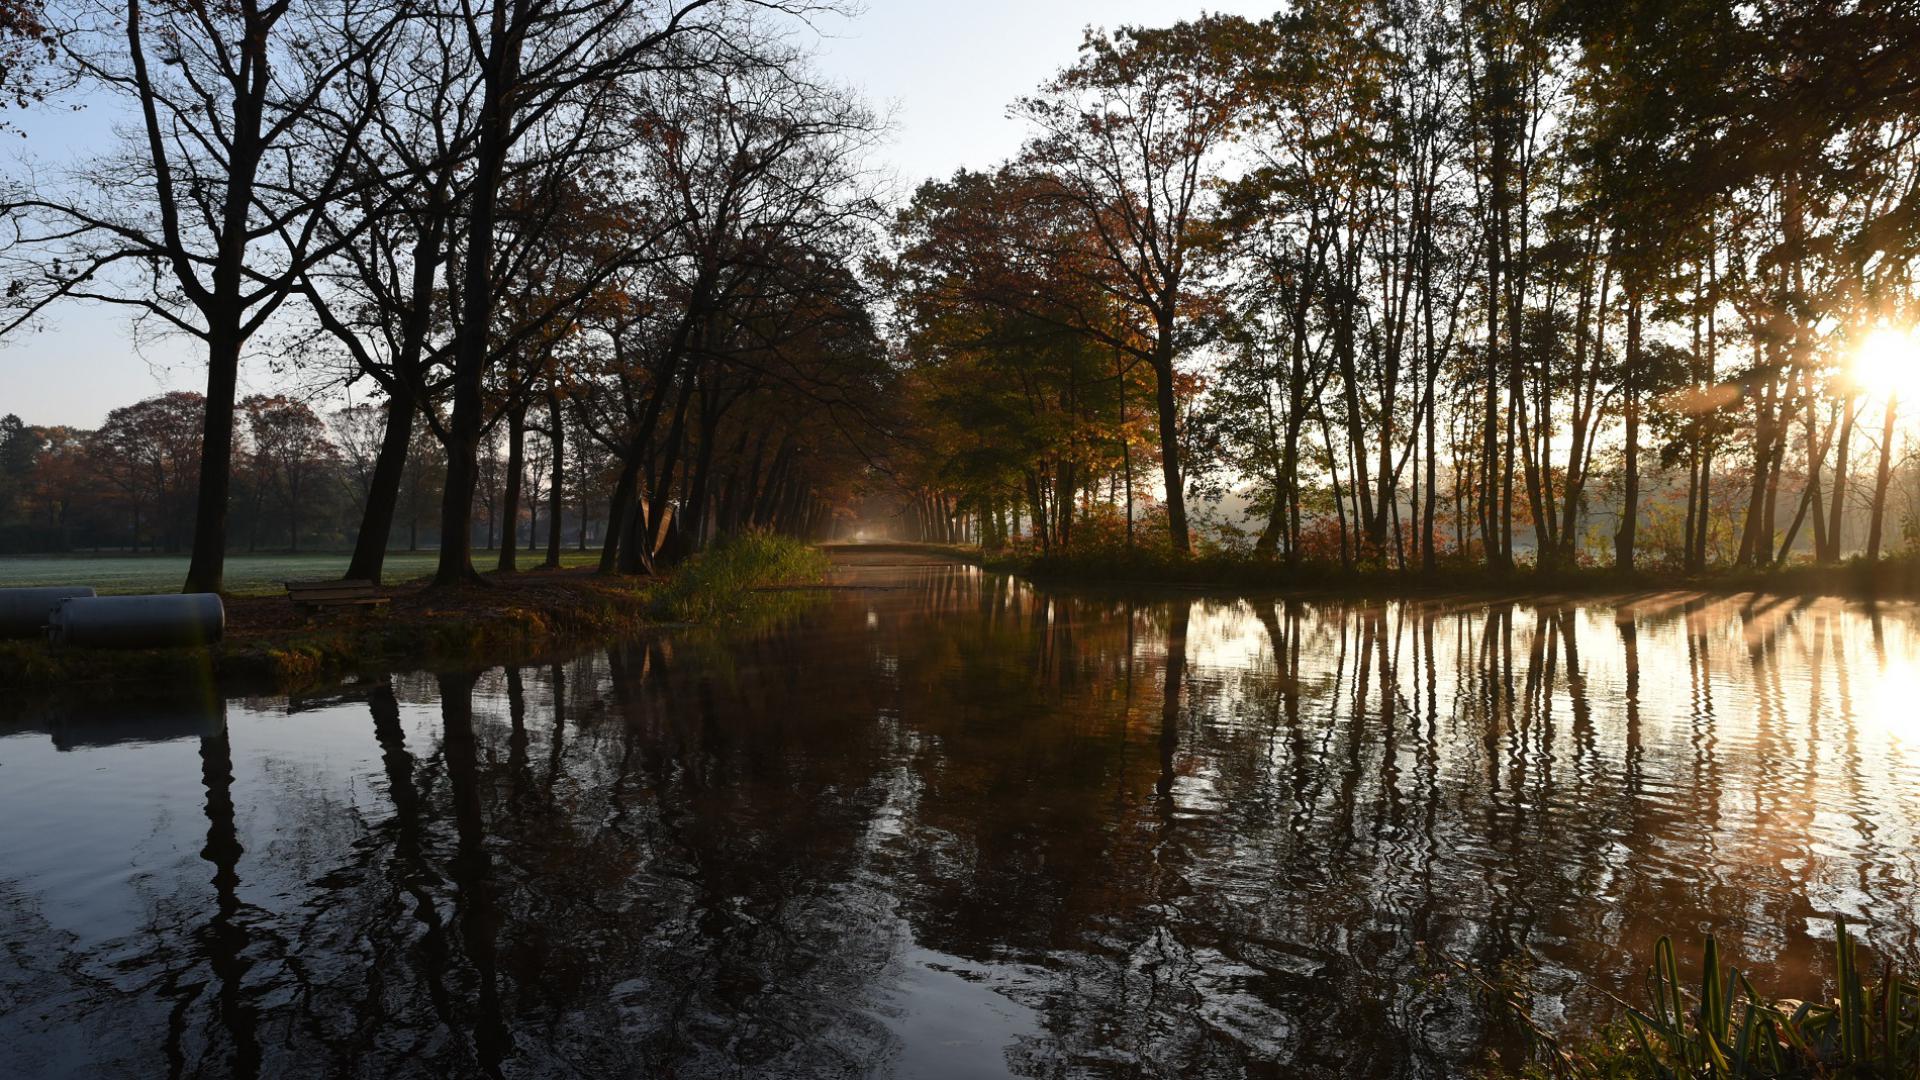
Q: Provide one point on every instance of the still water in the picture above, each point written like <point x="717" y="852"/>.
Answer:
<point x="940" y="824"/>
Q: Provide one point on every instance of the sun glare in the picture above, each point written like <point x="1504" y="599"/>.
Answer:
<point x="1888" y="365"/>
<point x="1889" y="701"/>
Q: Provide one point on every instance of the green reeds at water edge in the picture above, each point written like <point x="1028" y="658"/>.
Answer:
<point x="721" y="580"/>
<point x="1728" y="1029"/>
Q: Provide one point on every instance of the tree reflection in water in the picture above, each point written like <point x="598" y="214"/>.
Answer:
<point x="958" y="826"/>
<point x="226" y="938"/>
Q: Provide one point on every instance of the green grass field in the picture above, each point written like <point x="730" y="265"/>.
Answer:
<point x="245" y="573"/>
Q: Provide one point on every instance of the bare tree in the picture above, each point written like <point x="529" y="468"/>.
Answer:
<point x="380" y="296"/>
<point x="539" y="59"/>
<point x="207" y="216"/>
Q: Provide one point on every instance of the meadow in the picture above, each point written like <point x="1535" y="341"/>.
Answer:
<point x="246" y="574"/>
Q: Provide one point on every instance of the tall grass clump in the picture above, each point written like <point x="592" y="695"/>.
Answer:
<point x="722" y="579"/>
<point x="1729" y="1030"/>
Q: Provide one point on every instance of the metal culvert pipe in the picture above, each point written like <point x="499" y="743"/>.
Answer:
<point x="24" y="613"/>
<point x="138" y="622"/>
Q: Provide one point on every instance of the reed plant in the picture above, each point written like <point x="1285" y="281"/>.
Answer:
<point x="722" y="579"/>
<point x="1728" y="1030"/>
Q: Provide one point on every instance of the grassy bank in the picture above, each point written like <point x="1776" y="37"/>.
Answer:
<point x="271" y="644"/>
<point x="1888" y="578"/>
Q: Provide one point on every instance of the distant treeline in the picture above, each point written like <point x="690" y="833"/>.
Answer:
<point x="301" y="483"/>
<point x="300" y="480"/>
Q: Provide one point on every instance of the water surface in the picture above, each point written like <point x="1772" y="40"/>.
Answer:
<point x="940" y="824"/>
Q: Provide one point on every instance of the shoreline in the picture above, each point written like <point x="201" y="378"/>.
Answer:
<point x="1889" y="580"/>
<point x="271" y="644"/>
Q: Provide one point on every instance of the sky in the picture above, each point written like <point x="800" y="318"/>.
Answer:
<point x="943" y="71"/>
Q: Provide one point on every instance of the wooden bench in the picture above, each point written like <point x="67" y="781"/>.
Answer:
<point x="316" y="595"/>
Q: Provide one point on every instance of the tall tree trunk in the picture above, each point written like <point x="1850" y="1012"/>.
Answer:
<point x="500" y="74"/>
<point x="1835" y="519"/>
<point x="1876" y="523"/>
<point x="1758" y="532"/>
<point x="206" y="571"/>
<point x="1709" y="373"/>
<point x="556" y="481"/>
<point x="1290" y="474"/>
<point x="1126" y="458"/>
<point x="383" y="493"/>
<point x="463" y="477"/>
<point x="1623" y="540"/>
<point x="1697" y="544"/>
<point x="510" y="501"/>
<point x="700" y="484"/>
<point x="1497" y="559"/>
<point x="1169" y="412"/>
<point x="617" y="510"/>
<point x="638" y="556"/>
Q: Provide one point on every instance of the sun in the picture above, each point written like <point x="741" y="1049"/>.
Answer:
<point x="1887" y="365"/>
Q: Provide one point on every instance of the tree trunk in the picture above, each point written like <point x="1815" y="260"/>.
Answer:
<point x="1126" y="458"/>
<point x="473" y="340"/>
<point x="639" y="557"/>
<point x="206" y="571"/>
<point x="556" y="504"/>
<point x="1169" y="410"/>
<point x="1698" y="542"/>
<point x="1758" y="532"/>
<point x="617" y="507"/>
<point x="383" y="493"/>
<point x="693" y="524"/>
<point x="510" y="501"/>
<point x="1490" y="420"/>
<point x="1623" y="540"/>
<point x="1877" y="522"/>
<point x="1834" y="516"/>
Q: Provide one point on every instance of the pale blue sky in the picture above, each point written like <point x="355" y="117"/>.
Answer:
<point x="945" y="70"/>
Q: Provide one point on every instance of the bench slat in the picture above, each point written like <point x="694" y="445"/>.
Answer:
<point x="315" y="595"/>
<point x="348" y="601"/>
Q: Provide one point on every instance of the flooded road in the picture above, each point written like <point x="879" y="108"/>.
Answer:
<point x="941" y="824"/>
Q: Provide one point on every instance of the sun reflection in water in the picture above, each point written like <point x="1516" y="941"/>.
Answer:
<point x="1893" y="704"/>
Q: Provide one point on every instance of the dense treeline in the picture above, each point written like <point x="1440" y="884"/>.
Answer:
<point x="601" y="255"/>
<point x="1522" y="280"/>
<point x="1381" y="282"/>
